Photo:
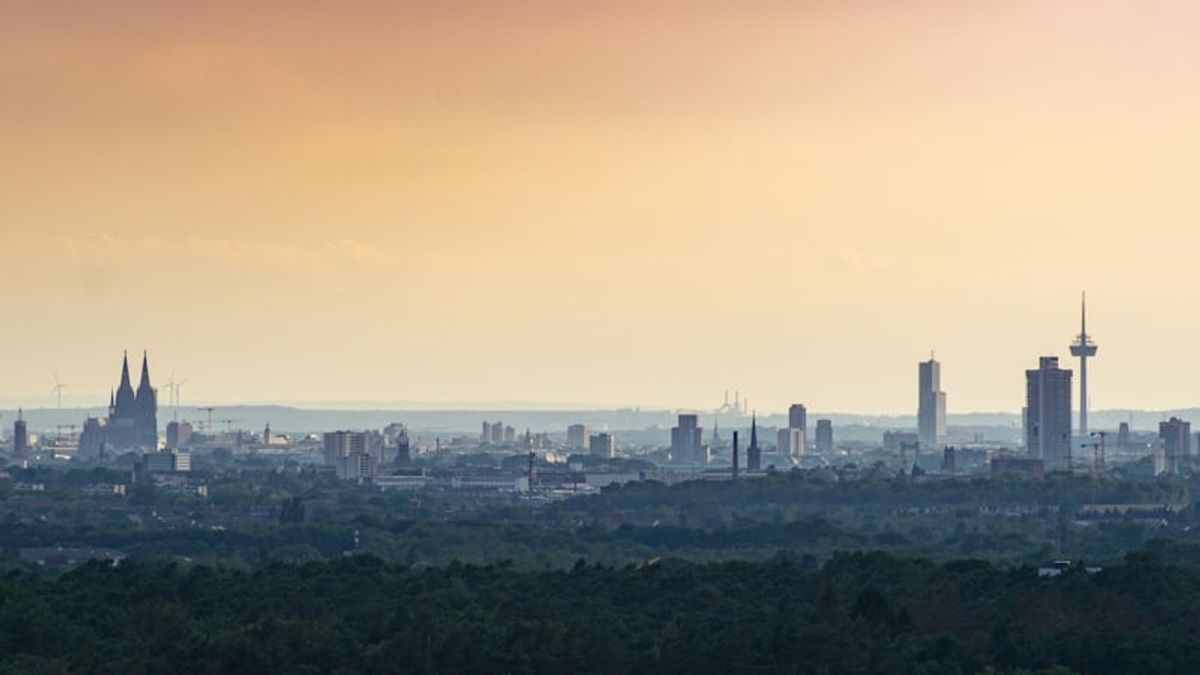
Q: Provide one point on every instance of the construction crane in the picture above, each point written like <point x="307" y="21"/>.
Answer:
<point x="1099" y="448"/>
<point x="208" y="429"/>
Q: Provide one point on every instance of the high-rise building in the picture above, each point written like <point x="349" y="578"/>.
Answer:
<point x="343" y="444"/>
<point x="179" y="433"/>
<point x="790" y="442"/>
<point x="403" y="451"/>
<point x="1176" y="436"/>
<point x="602" y="445"/>
<point x="20" y="435"/>
<point x="577" y="436"/>
<point x="350" y="453"/>
<point x="931" y="404"/>
<point x="797" y="417"/>
<point x="495" y="433"/>
<point x="1048" y="413"/>
<point x="687" y="441"/>
<point x="824" y="440"/>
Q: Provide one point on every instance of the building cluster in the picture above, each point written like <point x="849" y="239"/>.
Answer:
<point x="1049" y="441"/>
<point x="496" y="433"/>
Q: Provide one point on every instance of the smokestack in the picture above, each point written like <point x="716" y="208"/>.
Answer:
<point x="735" y="456"/>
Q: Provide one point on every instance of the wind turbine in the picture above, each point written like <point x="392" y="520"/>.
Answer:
<point x="57" y="389"/>
<point x="173" y="387"/>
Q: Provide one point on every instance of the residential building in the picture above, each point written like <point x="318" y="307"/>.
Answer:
<point x="577" y="436"/>
<point x="602" y="445"/>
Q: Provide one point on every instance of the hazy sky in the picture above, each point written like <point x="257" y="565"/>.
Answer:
<point x="618" y="202"/>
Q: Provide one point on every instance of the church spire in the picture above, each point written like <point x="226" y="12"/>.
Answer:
<point x="144" y="385"/>
<point x="123" y="402"/>
<point x="125" y="372"/>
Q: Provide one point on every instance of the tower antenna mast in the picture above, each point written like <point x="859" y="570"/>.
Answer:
<point x="1084" y="348"/>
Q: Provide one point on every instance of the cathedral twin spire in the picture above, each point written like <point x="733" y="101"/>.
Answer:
<point x="133" y="415"/>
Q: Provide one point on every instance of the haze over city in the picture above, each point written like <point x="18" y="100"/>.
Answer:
<point x="599" y="203"/>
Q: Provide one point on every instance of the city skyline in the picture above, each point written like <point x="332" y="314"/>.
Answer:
<point x="627" y="204"/>
<point x="931" y="398"/>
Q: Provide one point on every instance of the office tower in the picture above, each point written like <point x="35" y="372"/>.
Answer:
<point x="824" y="436"/>
<point x="602" y="445"/>
<point x="790" y="442"/>
<point x="179" y="433"/>
<point x="20" y="435"/>
<point x="577" y="436"/>
<point x="1176" y="437"/>
<point x="1048" y="414"/>
<point x="485" y="435"/>
<point x="931" y="404"/>
<point x="797" y="417"/>
<point x="754" y="453"/>
<point x="403" y="451"/>
<point x="1084" y="348"/>
<point x="687" y="441"/>
<point x="497" y="433"/>
<point x="510" y="435"/>
<point x="1123" y="436"/>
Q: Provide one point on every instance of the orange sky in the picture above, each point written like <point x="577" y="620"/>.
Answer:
<point x="620" y="202"/>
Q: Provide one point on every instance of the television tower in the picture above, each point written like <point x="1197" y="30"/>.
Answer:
<point x="1083" y="347"/>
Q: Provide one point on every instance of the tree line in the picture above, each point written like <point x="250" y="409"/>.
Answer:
<point x="864" y="612"/>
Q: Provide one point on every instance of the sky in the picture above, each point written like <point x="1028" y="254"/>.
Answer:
<point x="610" y="203"/>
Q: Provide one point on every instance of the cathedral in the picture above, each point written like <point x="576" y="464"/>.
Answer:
<point x="132" y="416"/>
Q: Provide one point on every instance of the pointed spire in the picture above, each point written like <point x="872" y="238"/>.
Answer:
<point x="125" y="371"/>
<point x="123" y="401"/>
<point x="145" y="383"/>
<point x="754" y="429"/>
